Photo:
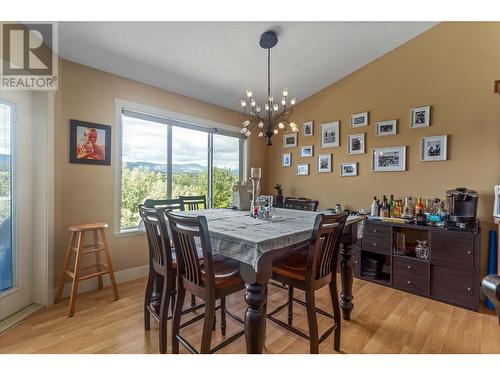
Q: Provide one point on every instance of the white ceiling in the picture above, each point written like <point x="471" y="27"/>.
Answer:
<point x="216" y="61"/>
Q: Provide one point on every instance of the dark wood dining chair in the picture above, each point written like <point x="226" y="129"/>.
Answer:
<point x="215" y="277"/>
<point x="194" y="202"/>
<point x="301" y="204"/>
<point x="309" y="270"/>
<point x="162" y="268"/>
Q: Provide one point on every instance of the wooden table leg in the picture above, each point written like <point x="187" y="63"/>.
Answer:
<point x="349" y="239"/>
<point x="346" y="279"/>
<point x="256" y="299"/>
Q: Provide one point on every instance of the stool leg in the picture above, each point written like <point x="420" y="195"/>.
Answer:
<point x="110" y="265"/>
<point x="76" y="274"/>
<point x="60" y="288"/>
<point x="97" y="258"/>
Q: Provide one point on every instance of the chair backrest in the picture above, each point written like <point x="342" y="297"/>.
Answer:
<point x="185" y="231"/>
<point x="160" y="252"/>
<point x="166" y="204"/>
<point x="325" y="243"/>
<point x="194" y="202"/>
<point x="301" y="204"/>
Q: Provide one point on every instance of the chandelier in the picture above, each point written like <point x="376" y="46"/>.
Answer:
<point x="272" y="119"/>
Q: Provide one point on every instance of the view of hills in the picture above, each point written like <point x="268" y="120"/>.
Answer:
<point x="4" y="162"/>
<point x="176" y="168"/>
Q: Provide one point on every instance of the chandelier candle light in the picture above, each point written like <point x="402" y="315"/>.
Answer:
<point x="274" y="119"/>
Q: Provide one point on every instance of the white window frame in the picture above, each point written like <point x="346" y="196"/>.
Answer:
<point x="120" y="106"/>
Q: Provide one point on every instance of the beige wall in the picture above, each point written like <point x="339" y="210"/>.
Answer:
<point x="451" y="67"/>
<point x="85" y="193"/>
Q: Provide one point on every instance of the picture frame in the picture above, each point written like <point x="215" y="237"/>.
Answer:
<point x="324" y="163"/>
<point x="389" y="159"/>
<point x="286" y="159"/>
<point x="302" y="169"/>
<point x="348" y="169"/>
<point x="359" y="120"/>
<point x="290" y="140"/>
<point x="330" y="134"/>
<point x="308" y="129"/>
<point x="356" y="144"/>
<point x="420" y="117"/>
<point x="89" y="143"/>
<point x="386" y="128"/>
<point x="307" y="151"/>
<point x="434" y="148"/>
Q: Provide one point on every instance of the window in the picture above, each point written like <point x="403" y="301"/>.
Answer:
<point x="164" y="158"/>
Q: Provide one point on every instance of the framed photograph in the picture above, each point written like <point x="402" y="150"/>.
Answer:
<point x="420" y="117"/>
<point x="389" y="159"/>
<point x="302" y="169"/>
<point x="325" y="163"/>
<point x="348" y="169"/>
<point x="356" y="144"/>
<point x="290" y="140"/>
<point x="286" y="159"/>
<point x="359" y="119"/>
<point x="388" y="127"/>
<point x="330" y="136"/>
<point x="306" y="151"/>
<point x="89" y="143"/>
<point x="308" y="129"/>
<point x="433" y="148"/>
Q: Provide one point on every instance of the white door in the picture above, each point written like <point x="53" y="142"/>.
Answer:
<point x="16" y="170"/>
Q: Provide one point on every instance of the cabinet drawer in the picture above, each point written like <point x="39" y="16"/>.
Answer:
<point x="381" y="245"/>
<point x="410" y="275"/>
<point x="377" y="230"/>
<point x="452" y="249"/>
<point x="456" y="286"/>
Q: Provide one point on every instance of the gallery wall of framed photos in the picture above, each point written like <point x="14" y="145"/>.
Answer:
<point x="404" y="105"/>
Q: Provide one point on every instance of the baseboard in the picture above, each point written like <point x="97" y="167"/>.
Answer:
<point x="91" y="284"/>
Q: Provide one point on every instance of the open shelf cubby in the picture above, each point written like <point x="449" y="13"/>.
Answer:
<point x="404" y="241"/>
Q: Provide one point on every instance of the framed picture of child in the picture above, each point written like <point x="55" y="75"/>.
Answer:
<point x="89" y="143"/>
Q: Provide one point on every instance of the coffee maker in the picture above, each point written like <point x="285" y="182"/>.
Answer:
<point x="462" y="209"/>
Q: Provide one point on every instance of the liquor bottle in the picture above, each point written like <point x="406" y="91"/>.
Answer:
<point x="374" y="208"/>
<point x="419" y="207"/>
<point x="384" y="211"/>
<point x="407" y="209"/>
<point x="396" y="209"/>
<point x="390" y="205"/>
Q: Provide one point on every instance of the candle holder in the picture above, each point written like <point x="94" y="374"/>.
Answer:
<point x="255" y="194"/>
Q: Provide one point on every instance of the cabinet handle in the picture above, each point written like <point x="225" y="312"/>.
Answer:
<point x="409" y="267"/>
<point x="469" y="252"/>
<point x="374" y="231"/>
<point x="409" y="282"/>
<point x="374" y="244"/>
<point x="468" y="289"/>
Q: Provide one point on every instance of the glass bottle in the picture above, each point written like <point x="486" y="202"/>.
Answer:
<point x="396" y="209"/>
<point x="374" y="208"/>
<point x="384" y="210"/>
<point x="407" y="209"/>
<point x="390" y="205"/>
<point x="419" y="207"/>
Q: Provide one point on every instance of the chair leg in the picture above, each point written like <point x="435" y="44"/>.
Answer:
<point x="60" y="288"/>
<point x="336" y="314"/>
<point x="165" y="305"/>
<point x="176" y="321"/>
<point x="208" y="324"/>
<point x="223" y="316"/>
<point x="193" y="301"/>
<point x="110" y="265"/>
<point x="172" y="301"/>
<point x="147" y="299"/>
<point x="76" y="274"/>
<point x="97" y="259"/>
<point x="313" y="322"/>
<point x="290" y="305"/>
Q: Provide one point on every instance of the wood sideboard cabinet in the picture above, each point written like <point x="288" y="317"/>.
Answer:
<point x="451" y="274"/>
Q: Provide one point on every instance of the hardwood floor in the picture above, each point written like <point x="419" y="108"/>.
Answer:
<point x="384" y="320"/>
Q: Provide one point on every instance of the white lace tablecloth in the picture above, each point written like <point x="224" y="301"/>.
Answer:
<point x="236" y="235"/>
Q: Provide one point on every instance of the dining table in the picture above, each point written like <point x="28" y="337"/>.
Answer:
<point x="255" y="242"/>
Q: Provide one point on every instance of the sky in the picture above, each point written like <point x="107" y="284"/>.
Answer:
<point x="147" y="141"/>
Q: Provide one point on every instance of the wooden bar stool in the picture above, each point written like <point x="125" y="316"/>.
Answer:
<point x="76" y="245"/>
